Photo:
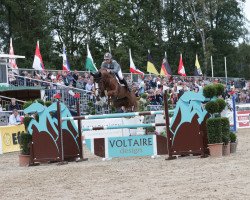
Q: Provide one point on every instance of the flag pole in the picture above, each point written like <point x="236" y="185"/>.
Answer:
<point x="131" y="75"/>
<point x="109" y="49"/>
<point x="212" y="66"/>
<point x="225" y="59"/>
<point x="87" y="55"/>
<point x="149" y="53"/>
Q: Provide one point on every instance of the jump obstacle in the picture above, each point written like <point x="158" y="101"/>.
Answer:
<point x="190" y="137"/>
<point x="59" y="139"/>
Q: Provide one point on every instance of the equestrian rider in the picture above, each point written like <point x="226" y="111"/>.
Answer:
<point x="113" y="66"/>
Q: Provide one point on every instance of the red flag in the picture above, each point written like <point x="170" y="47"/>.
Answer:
<point x="132" y="68"/>
<point x="12" y="61"/>
<point x="38" y="61"/>
<point x="57" y="96"/>
<point x="181" y="69"/>
<point x="77" y="95"/>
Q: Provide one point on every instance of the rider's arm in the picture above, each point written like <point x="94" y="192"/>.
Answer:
<point x="116" y="66"/>
<point x="104" y="65"/>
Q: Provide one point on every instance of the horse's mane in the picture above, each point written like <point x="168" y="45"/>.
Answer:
<point x="106" y="74"/>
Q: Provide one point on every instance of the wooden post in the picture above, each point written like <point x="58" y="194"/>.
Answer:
<point x="169" y="135"/>
<point x="60" y="134"/>
<point x="79" y="129"/>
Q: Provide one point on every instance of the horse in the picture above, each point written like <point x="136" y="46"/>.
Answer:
<point x="119" y="95"/>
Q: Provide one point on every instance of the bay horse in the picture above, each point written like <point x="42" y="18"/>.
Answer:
<point x="119" y="95"/>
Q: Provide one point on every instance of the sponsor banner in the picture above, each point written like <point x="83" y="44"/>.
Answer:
<point x="10" y="137"/>
<point x="243" y="118"/>
<point x="131" y="146"/>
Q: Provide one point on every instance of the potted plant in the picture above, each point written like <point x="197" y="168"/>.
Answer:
<point x="233" y="142"/>
<point x="217" y="127"/>
<point x="225" y="129"/>
<point x="24" y="156"/>
<point x="214" y="134"/>
<point x="150" y="131"/>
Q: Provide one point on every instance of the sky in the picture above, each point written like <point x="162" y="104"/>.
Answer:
<point x="247" y="11"/>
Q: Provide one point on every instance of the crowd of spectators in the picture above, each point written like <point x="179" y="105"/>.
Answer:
<point x="176" y="86"/>
<point x="152" y="85"/>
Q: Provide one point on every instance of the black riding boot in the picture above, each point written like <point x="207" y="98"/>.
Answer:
<point x="125" y="83"/>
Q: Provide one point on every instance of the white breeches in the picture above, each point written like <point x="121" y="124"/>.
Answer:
<point x="120" y="74"/>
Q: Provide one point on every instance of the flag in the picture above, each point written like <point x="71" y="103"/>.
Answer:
<point x="165" y="67"/>
<point x="181" y="69"/>
<point x="90" y="65"/>
<point x="198" y="71"/>
<point x="132" y="68"/>
<point x="57" y="96"/>
<point x="150" y="65"/>
<point x="65" y="65"/>
<point x="38" y="61"/>
<point x="12" y="61"/>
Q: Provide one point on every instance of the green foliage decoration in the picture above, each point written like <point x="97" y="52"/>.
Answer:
<point x="25" y="140"/>
<point x="209" y="91"/>
<point x="27" y="104"/>
<point x="219" y="89"/>
<point x="221" y="105"/>
<point x="233" y="137"/>
<point x="47" y="103"/>
<point x="225" y="129"/>
<point x="214" y="132"/>
<point x="212" y="107"/>
<point x="26" y="121"/>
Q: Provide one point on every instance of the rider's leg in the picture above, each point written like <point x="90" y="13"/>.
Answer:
<point x="122" y="80"/>
<point x="125" y="83"/>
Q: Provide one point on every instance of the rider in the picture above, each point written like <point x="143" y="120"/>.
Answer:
<point x="113" y="66"/>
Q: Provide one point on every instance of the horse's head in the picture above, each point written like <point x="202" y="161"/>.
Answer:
<point x="97" y="76"/>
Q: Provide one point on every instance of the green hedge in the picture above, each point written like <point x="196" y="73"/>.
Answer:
<point x="212" y="107"/>
<point x="219" y="89"/>
<point x="25" y="140"/>
<point x="225" y="129"/>
<point x="214" y="132"/>
<point x="209" y="91"/>
<point x="221" y="105"/>
<point x="233" y="137"/>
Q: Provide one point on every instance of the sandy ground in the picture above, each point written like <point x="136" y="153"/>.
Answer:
<point x="131" y="178"/>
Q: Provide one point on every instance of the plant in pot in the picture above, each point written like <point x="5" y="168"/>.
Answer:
<point x="216" y="126"/>
<point x="233" y="142"/>
<point x="225" y="129"/>
<point x="25" y="142"/>
<point x="214" y="134"/>
<point x="150" y="131"/>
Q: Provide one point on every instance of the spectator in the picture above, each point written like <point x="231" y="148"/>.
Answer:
<point x="14" y="118"/>
<point x="13" y="105"/>
<point x="75" y="77"/>
<point x="80" y="83"/>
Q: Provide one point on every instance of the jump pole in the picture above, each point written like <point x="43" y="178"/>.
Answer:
<point x="94" y="128"/>
<point x="116" y="115"/>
